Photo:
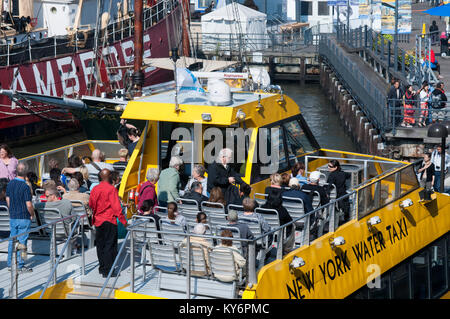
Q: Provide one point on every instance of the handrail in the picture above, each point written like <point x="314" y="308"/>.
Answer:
<point x="62" y="253"/>
<point x="14" y="274"/>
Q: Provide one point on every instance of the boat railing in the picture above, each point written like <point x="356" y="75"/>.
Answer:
<point x="54" y="258"/>
<point x="226" y="43"/>
<point x="325" y="219"/>
<point x="118" y="30"/>
<point x="39" y="163"/>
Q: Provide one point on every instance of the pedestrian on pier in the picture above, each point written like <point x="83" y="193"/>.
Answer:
<point x="434" y="32"/>
<point x="438" y="102"/>
<point x="409" y="101"/>
<point x="426" y="172"/>
<point x="444" y="43"/>
<point x="395" y="97"/>
<point x="424" y="96"/>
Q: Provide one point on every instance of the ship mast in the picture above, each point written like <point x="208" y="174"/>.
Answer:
<point x="138" y="75"/>
<point x="185" y="22"/>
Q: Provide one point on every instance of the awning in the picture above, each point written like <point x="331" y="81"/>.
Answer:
<point x="185" y="62"/>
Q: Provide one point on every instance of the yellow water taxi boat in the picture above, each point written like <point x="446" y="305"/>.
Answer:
<point x="395" y="244"/>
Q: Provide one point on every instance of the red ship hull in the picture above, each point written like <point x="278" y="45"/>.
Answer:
<point x="72" y="76"/>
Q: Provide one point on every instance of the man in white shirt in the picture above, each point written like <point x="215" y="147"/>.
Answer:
<point x="436" y="160"/>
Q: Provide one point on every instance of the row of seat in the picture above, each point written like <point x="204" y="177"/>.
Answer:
<point x="168" y="255"/>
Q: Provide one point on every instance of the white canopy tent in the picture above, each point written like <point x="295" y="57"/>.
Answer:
<point x="234" y="25"/>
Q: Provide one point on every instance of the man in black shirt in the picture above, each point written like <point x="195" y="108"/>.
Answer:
<point x="196" y="193"/>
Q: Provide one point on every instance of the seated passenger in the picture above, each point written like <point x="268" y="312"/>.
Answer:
<point x="32" y="180"/>
<point x="216" y="196"/>
<point x="173" y="216"/>
<point x="239" y="260"/>
<point x="74" y="194"/>
<point x="313" y="185"/>
<point x="196" y="193"/>
<point x="81" y="181"/>
<point x="275" y="182"/>
<point x="249" y="211"/>
<point x="285" y="177"/>
<point x="147" y="209"/>
<point x="198" y="175"/>
<point x="274" y="201"/>
<point x="244" y="192"/>
<point x="295" y="192"/>
<point x="200" y="229"/>
<point x="64" y="206"/>
<point x="298" y="171"/>
<point x="244" y="230"/>
<point x="201" y="218"/>
<point x="121" y="164"/>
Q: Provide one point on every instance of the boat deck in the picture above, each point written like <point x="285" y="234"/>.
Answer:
<point x="32" y="283"/>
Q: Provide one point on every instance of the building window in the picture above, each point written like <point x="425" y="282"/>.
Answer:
<point x="306" y="8"/>
<point x="323" y="8"/>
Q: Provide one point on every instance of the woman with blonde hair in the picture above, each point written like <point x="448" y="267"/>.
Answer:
<point x="275" y="182"/>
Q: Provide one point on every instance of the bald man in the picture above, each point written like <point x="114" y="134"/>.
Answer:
<point x="105" y="205"/>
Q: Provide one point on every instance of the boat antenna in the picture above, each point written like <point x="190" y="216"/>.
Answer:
<point x="138" y="75"/>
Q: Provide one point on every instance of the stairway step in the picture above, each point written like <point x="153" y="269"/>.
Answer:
<point x="90" y="290"/>
<point x="85" y="295"/>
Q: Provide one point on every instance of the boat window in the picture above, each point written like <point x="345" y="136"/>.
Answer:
<point x="400" y="282"/>
<point x="176" y="139"/>
<point x="297" y="141"/>
<point x="437" y="268"/>
<point x="419" y="269"/>
<point x="265" y="162"/>
<point x="408" y="180"/>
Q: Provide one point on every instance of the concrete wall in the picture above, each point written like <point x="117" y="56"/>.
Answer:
<point x="353" y="119"/>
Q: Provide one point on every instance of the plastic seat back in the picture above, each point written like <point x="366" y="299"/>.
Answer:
<point x="187" y="205"/>
<point x="270" y="215"/>
<point x="210" y="207"/>
<point x="197" y="261"/>
<point x="4" y="219"/>
<point x="260" y="198"/>
<point x="222" y="264"/>
<point x="294" y="206"/>
<point x="163" y="257"/>
<point x="167" y="226"/>
<point x="145" y="232"/>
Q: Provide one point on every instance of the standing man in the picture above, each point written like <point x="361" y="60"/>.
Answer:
<point x="21" y="212"/>
<point x="220" y="173"/>
<point x="436" y="160"/>
<point x="105" y="204"/>
<point x="395" y="97"/>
